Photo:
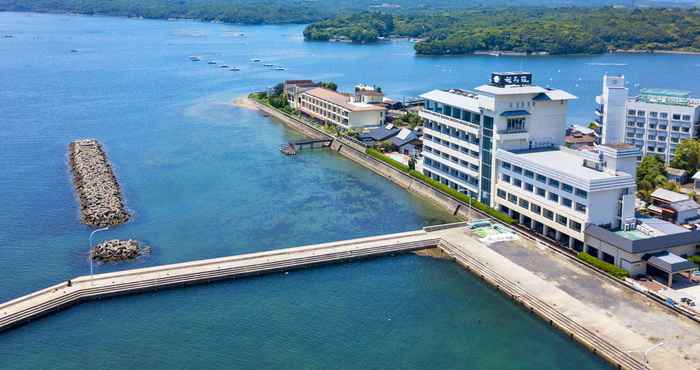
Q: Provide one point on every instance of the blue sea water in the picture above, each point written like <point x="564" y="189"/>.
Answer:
<point x="205" y="179"/>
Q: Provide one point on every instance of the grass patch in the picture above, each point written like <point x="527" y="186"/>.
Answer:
<point x="607" y="267"/>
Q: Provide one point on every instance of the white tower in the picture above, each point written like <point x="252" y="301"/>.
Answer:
<point x="611" y="109"/>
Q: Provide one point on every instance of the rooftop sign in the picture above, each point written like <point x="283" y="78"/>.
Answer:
<point x="503" y="79"/>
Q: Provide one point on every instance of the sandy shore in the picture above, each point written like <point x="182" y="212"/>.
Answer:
<point x="244" y="102"/>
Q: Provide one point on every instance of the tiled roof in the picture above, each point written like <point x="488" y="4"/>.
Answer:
<point x="341" y="100"/>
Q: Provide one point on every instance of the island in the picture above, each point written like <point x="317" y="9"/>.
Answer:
<point x="523" y="30"/>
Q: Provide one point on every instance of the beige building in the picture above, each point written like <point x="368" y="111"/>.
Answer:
<point x="339" y="109"/>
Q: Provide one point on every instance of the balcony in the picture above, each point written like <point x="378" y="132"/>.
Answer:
<point x="435" y="116"/>
<point x="513" y="133"/>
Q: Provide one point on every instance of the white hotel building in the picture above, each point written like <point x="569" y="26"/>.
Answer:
<point x="500" y="144"/>
<point x="655" y="122"/>
<point x="339" y="109"/>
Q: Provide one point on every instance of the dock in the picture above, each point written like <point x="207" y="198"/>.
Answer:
<point x="293" y="147"/>
<point x="452" y="239"/>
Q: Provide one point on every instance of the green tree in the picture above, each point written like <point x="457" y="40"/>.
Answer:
<point x="687" y="156"/>
<point x="651" y="173"/>
<point x="330" y="85"/>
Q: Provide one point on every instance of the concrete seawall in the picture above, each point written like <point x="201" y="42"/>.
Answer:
<point x="34" y="305"/>
<point x="451" y="239"/>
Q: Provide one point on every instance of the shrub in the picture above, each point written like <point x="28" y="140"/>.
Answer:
<point x="607" y="267"/>
<point x="694" y="259"/>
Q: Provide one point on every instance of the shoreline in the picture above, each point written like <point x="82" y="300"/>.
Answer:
<point x="244" y="102"/>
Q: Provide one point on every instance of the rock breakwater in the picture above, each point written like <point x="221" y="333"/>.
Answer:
<point x="118" y="250"/>
<point x="100" y="197"/>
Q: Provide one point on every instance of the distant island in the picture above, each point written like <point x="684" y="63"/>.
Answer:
<point x="267" y="11"/>
<point x="523" y="30"/>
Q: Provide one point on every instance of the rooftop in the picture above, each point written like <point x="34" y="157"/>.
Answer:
<point x="341" y="100"/>
<point x="542" y="93"/>
<point x="668" y="195"/>
<point x="649" y="227"/>
<point x="563" y="162"/>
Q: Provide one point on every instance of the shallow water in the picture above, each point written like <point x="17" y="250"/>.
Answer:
<point x="205" y="179"/>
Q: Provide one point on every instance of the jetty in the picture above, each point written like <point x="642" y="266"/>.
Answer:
<point x="452" y="239"/>
<point x="97" y="189"/>
<point x="293" y="148"/>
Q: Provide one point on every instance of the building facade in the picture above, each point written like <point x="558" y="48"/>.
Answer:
<point x="656" y="121"/>
<point x="557" y="192"/>
<point x="339" y="109"/>
<point x="463" y="129"/>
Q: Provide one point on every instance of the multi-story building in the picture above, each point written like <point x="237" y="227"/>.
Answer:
<point x="656" y="121"/>
<point x="556" y="192"/>
<point x="339" y="109"/>
<point x="463" y="129"/>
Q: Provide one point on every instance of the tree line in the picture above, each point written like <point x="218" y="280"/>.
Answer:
<point x="552" y="30"/>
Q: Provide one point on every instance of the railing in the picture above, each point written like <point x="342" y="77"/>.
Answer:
<point x="512" y="131"/>
<point x="450" y="118"/>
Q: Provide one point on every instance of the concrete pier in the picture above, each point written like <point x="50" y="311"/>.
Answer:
<point x="82" y="288"/>
<point x="452" y="239"/>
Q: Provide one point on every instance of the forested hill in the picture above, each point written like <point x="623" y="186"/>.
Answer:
<point x="556" y="31"/>
<point x="270" y="11"/>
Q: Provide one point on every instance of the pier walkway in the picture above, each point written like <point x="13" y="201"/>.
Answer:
<point x="537" y="295"/>
<point x="83" y="288"/>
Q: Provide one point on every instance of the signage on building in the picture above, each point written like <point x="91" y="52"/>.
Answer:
<point x="511" y="78"/>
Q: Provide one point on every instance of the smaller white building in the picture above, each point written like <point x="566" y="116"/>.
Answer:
<point x="655" y="121"/>
<point x="339" y="109"/>
<point x="556" y="192"/>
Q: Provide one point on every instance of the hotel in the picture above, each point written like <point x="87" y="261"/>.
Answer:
<point x="464" y="129"/>
<point x="341" y="110"/>
<point x="655" y="122"/>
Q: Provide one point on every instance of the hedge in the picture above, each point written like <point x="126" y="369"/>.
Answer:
<point x="607" y="267"/>
<point x="440" y="186"/>
<point x="694" y="259"/>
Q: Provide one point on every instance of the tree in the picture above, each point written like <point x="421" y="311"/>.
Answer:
<point x="329" y="85"/>
<point x="651" y="173"/>
<point x="687" y="156"/>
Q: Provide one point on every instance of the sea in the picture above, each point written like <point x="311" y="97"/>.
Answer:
<point x="205" y="178"/>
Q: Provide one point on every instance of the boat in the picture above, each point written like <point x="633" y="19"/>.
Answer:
<point x="269" y="65"/>
<point x="234" y="69"/>
<point x="255" y="60"/>
<point x="73" y="50"/>
<point x="194" y="58"/>
<point x="224" y="66"/>
<point x="211" y="62"/>
<point x="279" y="68"/>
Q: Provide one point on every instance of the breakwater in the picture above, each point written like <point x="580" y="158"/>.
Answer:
<point x="451" y="239"/>
<point x="118" y="250"/>
<point x="96" y="186"/>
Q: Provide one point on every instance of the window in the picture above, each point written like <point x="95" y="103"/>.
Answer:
<point x="566" y="202"/>
<point x="529" y="174"/>
<point x="653" y="114"/>
<point x="580" y="207"/>
<point x="652" y="125"/>
<point x="512" y="198"/>
<point x="675" y="128"/>
<point x="518" y="170"/>
<point x="517" y="182"/>
<point x="685" y="129"/>
<point x="535" y="208"/>
<point x="676" y="116"/>
<point x="501" y="193"/>
<point x="663" y="127"/>
<point x="663" y="115"/>
<point x="631" y="112"/>
<point x="651" y="137"/>
<point x="567" y="188"/>
<point x="554" y="197"/>
<point x="548" y="214"/>
<point x="505" y="178"/>
<point x="554" y="183"/>
<point x="529" y="187"/>
<point x="524" y="203"/>
<point x="640" y="113"/>
<point x="515" y="124"/>
<point x="661" y="138"/>
<point x="686" y="117"/>
<point x="541" y="192"/>
<point x="562" y="220"/>
<point x="575" y="225"/>
<point x="541" y="179"/>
